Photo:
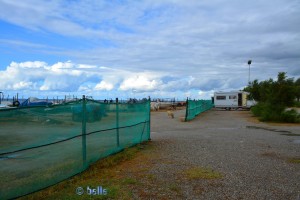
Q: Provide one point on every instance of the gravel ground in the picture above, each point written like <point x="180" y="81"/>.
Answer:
<point x="253" y="157"/>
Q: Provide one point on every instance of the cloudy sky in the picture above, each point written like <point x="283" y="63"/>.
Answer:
<point x="118" y="48"/>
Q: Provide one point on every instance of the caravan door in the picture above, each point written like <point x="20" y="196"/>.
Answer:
<point x="240" y="99"/>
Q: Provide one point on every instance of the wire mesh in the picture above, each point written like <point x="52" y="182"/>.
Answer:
<point x="195" y="107"/>
<point x="41" y="146"/>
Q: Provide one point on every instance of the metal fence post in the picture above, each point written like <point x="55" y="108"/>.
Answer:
<point x="187" y="108"/>
<point x="117" y="121"/>
<point x="84" y="131"/>
<point x="149" y="117"/>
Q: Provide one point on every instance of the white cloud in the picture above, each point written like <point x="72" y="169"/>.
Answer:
<point x="103" y="85"/>
<point x="68" y="77"/>
<point x="22" y="85"/>
<point x="39" y="75"/>
<point x="205" y="94"/>
<point x="202" y="45"/>
<point x="84" y="89"/>
<point x="140" y="83"/>
<point x="35" y="64"/>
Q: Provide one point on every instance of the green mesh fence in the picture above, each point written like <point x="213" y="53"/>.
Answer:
<point x="195" y="107"/>
<point x="41" y="146"/>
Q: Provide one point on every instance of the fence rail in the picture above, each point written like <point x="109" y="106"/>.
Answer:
<point x="41" y="146"/>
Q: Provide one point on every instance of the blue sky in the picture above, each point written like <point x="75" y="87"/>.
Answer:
<point x="171" y="48"/>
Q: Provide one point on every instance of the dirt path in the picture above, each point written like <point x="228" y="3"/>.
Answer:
<point x="256" y="160"/>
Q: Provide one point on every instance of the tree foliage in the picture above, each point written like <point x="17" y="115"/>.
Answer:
<point x="297" y="88"/>
<point x="274" y="96"/>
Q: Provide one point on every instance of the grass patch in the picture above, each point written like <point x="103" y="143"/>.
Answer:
<point x="129" y="181"/>
<point x="277" y="156"/>
<point x="106" y="173"/>
<point x="174" y="187"/>
<point x="124" y="155"/>
<point x="294" y="160"/>
<point x="150" y="177"/>
<point x="202" y="173"/>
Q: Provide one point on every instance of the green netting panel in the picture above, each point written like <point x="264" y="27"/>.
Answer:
<point x="41" y="146"/>
<point x="29" y="127"/>
<point x="195" y="107"/>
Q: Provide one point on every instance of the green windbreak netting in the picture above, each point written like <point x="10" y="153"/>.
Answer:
<point x="41" y="146"/>
<point x="195" y="107"/>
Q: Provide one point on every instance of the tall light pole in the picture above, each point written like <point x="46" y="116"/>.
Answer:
<point x="133" y="93"/>
<point x="249" y="63"/>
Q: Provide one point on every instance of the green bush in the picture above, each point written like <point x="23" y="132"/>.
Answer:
<point x="272" y="112"/>
<point x="273" y="97"/>
<point x="257" y="109"/>
<point x="290" y="116"/>
<point x="297" y="104"/>
<point x="275" y="113"/>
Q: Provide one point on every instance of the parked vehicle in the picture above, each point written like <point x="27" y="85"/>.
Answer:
<point x="32" y="101"/>
<point x="232" y="100"/>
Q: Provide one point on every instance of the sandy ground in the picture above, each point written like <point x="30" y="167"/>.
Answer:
<point x="253" y="157"/>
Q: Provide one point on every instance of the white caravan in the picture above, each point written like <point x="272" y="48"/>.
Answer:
<point x="232" y="100"/>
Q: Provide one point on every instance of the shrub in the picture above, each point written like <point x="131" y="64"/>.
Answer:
<point x="257" y="109"/>
<point x="290" y="116"/>
<point x="297" y="104"/>
<point x="274" y="97"/>
<point x="268" y="111"/>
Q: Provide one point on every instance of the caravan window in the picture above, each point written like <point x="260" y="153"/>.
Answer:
<point x="221" y="97"/>
<point x="232" y="97"/>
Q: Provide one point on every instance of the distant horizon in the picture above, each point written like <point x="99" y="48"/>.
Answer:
<point x="50" y="98"/>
